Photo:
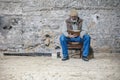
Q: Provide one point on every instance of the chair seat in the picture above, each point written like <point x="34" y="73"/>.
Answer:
<point x="74" y="43"/>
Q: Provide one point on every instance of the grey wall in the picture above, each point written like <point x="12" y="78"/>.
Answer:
<point x="24" y="23"/>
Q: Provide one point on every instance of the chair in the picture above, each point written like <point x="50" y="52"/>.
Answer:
<point x="75" y="46"/>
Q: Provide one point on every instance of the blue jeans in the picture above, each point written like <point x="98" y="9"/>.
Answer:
<point x="85" y="40"/>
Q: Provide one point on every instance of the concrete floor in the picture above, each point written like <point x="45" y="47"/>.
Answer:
<point x="104" y="66"/>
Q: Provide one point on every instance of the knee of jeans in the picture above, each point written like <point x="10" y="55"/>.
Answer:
<point x="87" y="36"/>
<point x="62" y="37"/>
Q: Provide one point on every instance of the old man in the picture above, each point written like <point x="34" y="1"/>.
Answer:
<point x="74" y="23"/>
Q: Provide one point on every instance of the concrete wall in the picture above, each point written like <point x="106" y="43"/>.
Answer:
<point x="24" y="23"/>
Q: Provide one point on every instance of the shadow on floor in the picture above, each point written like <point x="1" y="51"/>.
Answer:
<point x="76" y="54"/>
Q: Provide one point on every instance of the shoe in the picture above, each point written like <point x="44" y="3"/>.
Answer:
<point x="64" y="59"/>
<point x="85" y="58"/>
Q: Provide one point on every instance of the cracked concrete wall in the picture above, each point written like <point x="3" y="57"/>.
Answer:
<point x="24" y="23"/>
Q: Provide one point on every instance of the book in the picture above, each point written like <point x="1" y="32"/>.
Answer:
<point x="74" y="32"/>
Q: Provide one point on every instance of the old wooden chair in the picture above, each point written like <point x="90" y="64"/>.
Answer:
<point x="75" y="45"/>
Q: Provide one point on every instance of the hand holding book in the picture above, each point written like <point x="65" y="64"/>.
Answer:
<point x="73" y="33"/>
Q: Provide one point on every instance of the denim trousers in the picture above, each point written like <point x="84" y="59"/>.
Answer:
<point x="85" y="40"/>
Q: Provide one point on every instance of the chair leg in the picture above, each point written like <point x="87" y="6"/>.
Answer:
<point x="80" y="53"/>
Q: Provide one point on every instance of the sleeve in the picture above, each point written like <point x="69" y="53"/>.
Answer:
<point x="84" y="29"/>
<point x="64" y="29"/>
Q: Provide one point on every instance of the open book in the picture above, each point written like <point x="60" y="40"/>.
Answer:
<point x="74" y="32"/>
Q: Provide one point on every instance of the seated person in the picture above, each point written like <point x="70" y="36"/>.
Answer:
<point x="74" y="23"/>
